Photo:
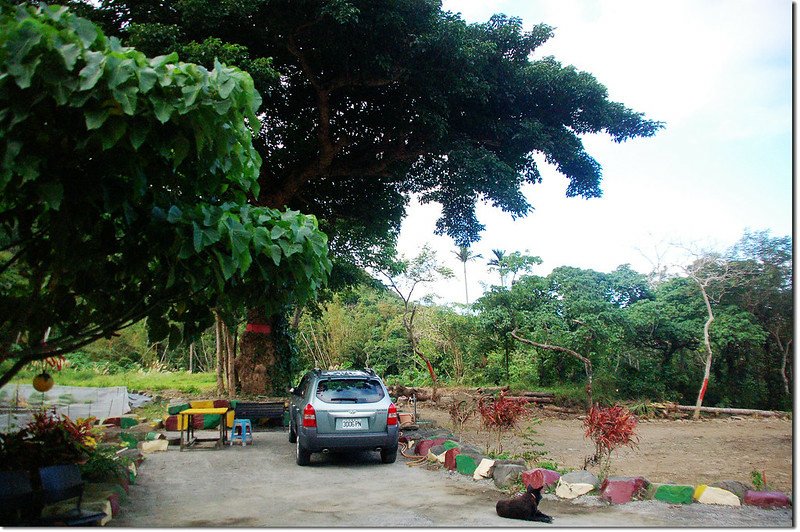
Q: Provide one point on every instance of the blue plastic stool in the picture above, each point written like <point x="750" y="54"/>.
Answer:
<point x="245" y="430"/>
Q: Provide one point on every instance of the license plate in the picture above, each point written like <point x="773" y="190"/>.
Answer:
<point x="358" y="423"/>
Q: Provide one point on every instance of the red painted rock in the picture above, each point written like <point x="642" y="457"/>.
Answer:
<point x="766" y="499"/>
<point x="450" y="458"/>
<point x="619" y="490"/>
<point x="124" y="482"/>
<point x="424" y="446"/>
<point x="116" y="421"/>
<point x="222" y="403"/>
<point x="539" y="477"/>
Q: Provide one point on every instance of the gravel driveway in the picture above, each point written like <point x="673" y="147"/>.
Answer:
<point x="261" y="486"/>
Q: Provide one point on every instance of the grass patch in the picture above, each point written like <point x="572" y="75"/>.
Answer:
<point x="152" y="381"/>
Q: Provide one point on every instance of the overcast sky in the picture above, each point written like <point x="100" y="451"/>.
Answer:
<point x="717" y="72"/>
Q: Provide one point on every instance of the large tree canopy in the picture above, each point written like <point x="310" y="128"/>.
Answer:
<point x="378" y="100"/>
<point x="123" y="193"/>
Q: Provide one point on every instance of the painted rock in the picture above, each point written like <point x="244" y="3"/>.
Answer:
<point x="540" y="477"/>
<point x="115" y="506"/>
<point x="450" y="459"/>
<point x="619" y="490"/>
<point x="711" y="495"/>
<point x="484" y="469"/>
<point x="424" y="446"/>
<point x="465" y="464"/>
<point x="450" y="444"/>
<point x="674" y="494"/>
<point x="766" y="499"/>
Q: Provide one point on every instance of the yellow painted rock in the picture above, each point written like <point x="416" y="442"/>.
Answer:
<point x="710" y="495"/>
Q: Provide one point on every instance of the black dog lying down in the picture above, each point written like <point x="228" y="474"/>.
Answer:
<point x="525" y="506"/>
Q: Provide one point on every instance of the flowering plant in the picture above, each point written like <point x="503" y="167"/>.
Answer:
<point x="49" y="439"/>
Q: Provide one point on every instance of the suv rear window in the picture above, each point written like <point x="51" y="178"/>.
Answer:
<point x="349" y="391"/>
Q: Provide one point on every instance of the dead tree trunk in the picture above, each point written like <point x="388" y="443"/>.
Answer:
<point x="230" y="349"/>
<point x="191" y="356"/>
<point x="785" y="350"/>
<point x="587" y="364"/>
<point x="709" y="353"/>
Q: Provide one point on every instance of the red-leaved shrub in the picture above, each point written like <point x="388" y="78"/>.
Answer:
<point x="501" y="413"/>
<point x="609" y="428"/>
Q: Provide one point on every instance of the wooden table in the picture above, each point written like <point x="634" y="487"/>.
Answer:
<point x="186" y="418"/>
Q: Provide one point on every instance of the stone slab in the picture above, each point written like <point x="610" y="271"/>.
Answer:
<point x="153" y="446"/>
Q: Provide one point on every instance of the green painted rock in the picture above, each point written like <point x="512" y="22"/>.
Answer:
<point x="450" y="444"/>
<point x="465" y="464"/>
<point x="674" y="494"/>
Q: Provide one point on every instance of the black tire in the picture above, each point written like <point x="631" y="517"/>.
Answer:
<point x="303" y="455"/>
<point x="292" y="433"/>
<point x="388" y="456"/>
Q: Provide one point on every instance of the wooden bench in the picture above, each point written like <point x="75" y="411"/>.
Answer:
<point x="258" y="411"/>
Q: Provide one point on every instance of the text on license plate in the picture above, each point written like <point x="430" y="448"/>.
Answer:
<point x="351" y="423"/>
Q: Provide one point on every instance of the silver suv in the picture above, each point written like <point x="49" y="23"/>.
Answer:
<point x="342" y="410"/>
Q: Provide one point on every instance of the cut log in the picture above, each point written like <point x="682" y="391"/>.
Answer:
<point x="537" y="400"/>
<point x="732" y="411"/>
<point x="538" y="394"/>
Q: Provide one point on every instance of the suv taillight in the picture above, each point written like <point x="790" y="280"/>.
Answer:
<point x="391" y="417"/>
<point x="309" y="416"/>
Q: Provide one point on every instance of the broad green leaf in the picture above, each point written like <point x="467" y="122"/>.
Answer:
<point x="162" y="109"/>
<point x="96" y="117"/>
<point x="69" y="53"/>
<point x="86" y="31"/>
<point x="147" y="79"/>
<point x="138" y="133"/>
<point x="91" y="73"/>
<point x="276" y="253"/>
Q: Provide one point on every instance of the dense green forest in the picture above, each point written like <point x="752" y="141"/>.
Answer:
<point x="644" y="334"/>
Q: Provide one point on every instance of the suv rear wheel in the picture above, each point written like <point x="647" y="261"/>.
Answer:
<point x="303" y="454"/>
<point x="388" y="456"/>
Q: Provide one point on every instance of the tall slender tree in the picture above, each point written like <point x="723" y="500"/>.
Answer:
<point x="464" y="255"/>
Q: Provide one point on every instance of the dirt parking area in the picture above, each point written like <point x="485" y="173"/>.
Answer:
<point x="669" y="451"/>
<point x="261" y="486"/>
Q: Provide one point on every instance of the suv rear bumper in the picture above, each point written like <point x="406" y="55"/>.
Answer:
<point x="316" y="442"/>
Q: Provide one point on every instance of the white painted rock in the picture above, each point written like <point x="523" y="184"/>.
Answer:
<point x="153" y="446"/>
<point x="571" y="490"/>
<point x="484" y="469"/>
<point x="711" y="495"/>
<point x="432" y="457"/>
<point x="440" y="457"/>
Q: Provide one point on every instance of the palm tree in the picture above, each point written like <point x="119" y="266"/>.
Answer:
<point x="497" y="262"/>
<point x="464" y="255"/>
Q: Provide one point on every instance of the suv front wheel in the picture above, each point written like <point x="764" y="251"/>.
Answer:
<point x="303" y="454"/>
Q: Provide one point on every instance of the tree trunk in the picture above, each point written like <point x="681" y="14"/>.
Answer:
<point x="466" y="290"/>
<point x="257" y="363"/>
<point x="230" y="349"/>
<point x="785" y="349"/>
<point x="218" y="334"/>
<point x="587" y="364"/>
<point x="191" y="356"/>
<point x="707" y="341"/>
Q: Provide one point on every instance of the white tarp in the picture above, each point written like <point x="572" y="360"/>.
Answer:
<point x="72" y="401"/>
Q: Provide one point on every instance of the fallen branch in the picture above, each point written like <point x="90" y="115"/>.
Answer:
<point x="716" y="410"/>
